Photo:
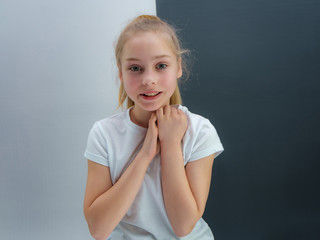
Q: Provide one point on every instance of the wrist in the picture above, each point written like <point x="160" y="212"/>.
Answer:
<point x="170" y="143"/>
<point x="144" y="157"/>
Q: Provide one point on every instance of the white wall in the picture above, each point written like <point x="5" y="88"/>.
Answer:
<point x="58" y="76"/>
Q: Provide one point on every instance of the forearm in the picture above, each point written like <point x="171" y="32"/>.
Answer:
<point x="181" y="206"/>
<point x="108" y="209"/>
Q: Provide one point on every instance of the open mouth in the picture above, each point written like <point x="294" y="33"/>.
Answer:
<point x="151" y="94"/>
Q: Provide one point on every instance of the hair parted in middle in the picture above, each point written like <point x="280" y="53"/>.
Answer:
<point x="149" y="23"/>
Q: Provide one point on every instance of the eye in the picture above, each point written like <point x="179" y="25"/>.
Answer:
<point x="135" y="68"/>
<point x="161" y="66"/>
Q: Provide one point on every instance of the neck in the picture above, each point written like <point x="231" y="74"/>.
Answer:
<point x="141" y="118"/>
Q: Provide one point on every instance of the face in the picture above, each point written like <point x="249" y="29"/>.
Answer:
<point x="149" y="70"/>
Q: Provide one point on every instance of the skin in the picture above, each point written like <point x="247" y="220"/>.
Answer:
<point x="149" y="65"/>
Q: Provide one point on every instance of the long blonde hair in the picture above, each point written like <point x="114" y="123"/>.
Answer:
<point x="148" y="23"/>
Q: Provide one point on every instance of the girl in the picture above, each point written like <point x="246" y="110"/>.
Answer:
<point x="149" y="167"/>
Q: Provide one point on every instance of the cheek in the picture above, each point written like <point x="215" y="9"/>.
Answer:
<point x="130" y="84"/>
<point x="170" y="80"/>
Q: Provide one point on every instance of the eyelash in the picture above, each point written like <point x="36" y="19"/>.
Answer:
<point x="134" y="68"/>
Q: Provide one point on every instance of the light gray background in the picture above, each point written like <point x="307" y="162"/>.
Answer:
<point x="58" y="76"/>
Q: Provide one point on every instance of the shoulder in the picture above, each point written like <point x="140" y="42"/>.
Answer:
<point x="201" y="138"/>
<point x="114" y="121"/>
<point x="106" y="127"/>
<point x="101" y="137"/>
<point x="196" y="122"/>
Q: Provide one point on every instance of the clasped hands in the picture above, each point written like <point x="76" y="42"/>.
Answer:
<point x="167" y="125"/>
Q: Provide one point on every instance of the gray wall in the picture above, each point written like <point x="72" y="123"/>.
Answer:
<point x="58" y="76"/>
<point x="256" y="72"/>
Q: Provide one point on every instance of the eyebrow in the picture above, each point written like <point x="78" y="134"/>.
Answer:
<point x="156" y="57"/>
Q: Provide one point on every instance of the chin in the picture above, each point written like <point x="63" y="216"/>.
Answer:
<point x="153" y="107"/>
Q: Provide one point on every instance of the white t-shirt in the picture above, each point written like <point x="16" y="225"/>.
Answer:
<point x="115" y="141"/>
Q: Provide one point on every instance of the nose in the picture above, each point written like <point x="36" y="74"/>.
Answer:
<point x="149" y="78"/>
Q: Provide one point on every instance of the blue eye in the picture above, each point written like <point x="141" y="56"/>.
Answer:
<point x="161" y="66"/>
<point x="135" y="68"/>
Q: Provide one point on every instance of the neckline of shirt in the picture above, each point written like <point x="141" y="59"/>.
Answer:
<point x="135" y="126"/>
<point x="132" y="124"/>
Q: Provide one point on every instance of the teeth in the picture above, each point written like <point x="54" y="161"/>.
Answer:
<point x="151" y="94"/>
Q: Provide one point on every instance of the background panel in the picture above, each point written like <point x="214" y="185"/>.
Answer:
<point x="58" y="76"/>
<point x="255" y="70"/>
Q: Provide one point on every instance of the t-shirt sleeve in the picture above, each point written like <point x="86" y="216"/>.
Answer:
<point x="96" y="149"/>
<point x="206" y="142"/>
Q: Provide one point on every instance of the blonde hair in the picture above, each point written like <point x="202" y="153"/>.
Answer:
<point x="148" y="23"/>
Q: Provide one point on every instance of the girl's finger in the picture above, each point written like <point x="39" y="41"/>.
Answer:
<point x="180" y="111"/>
<point x="173" y="110"/>
<point x="167" y="110"/>
<point x="160" y="113"/>
<point x="153" y="118"/>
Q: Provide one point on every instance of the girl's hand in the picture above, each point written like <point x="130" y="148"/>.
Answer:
<point x="172" y="124"/>
<point x="150" y="145"/>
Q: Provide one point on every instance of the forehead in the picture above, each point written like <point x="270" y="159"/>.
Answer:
<point x="147" y="44"/>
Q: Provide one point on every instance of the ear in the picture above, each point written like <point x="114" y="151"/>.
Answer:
<point x="179" y="73"/>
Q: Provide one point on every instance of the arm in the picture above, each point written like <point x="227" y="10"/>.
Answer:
<point x="185" y="189"/>
<point x="106" y="204"/>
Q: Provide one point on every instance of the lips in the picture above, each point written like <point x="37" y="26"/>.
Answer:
<point x="152" y="95"/>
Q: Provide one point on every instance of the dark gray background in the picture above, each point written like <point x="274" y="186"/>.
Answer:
<point x="255" y="75"/>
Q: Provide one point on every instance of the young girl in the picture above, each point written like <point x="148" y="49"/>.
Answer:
<point x="149" y="167"/>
